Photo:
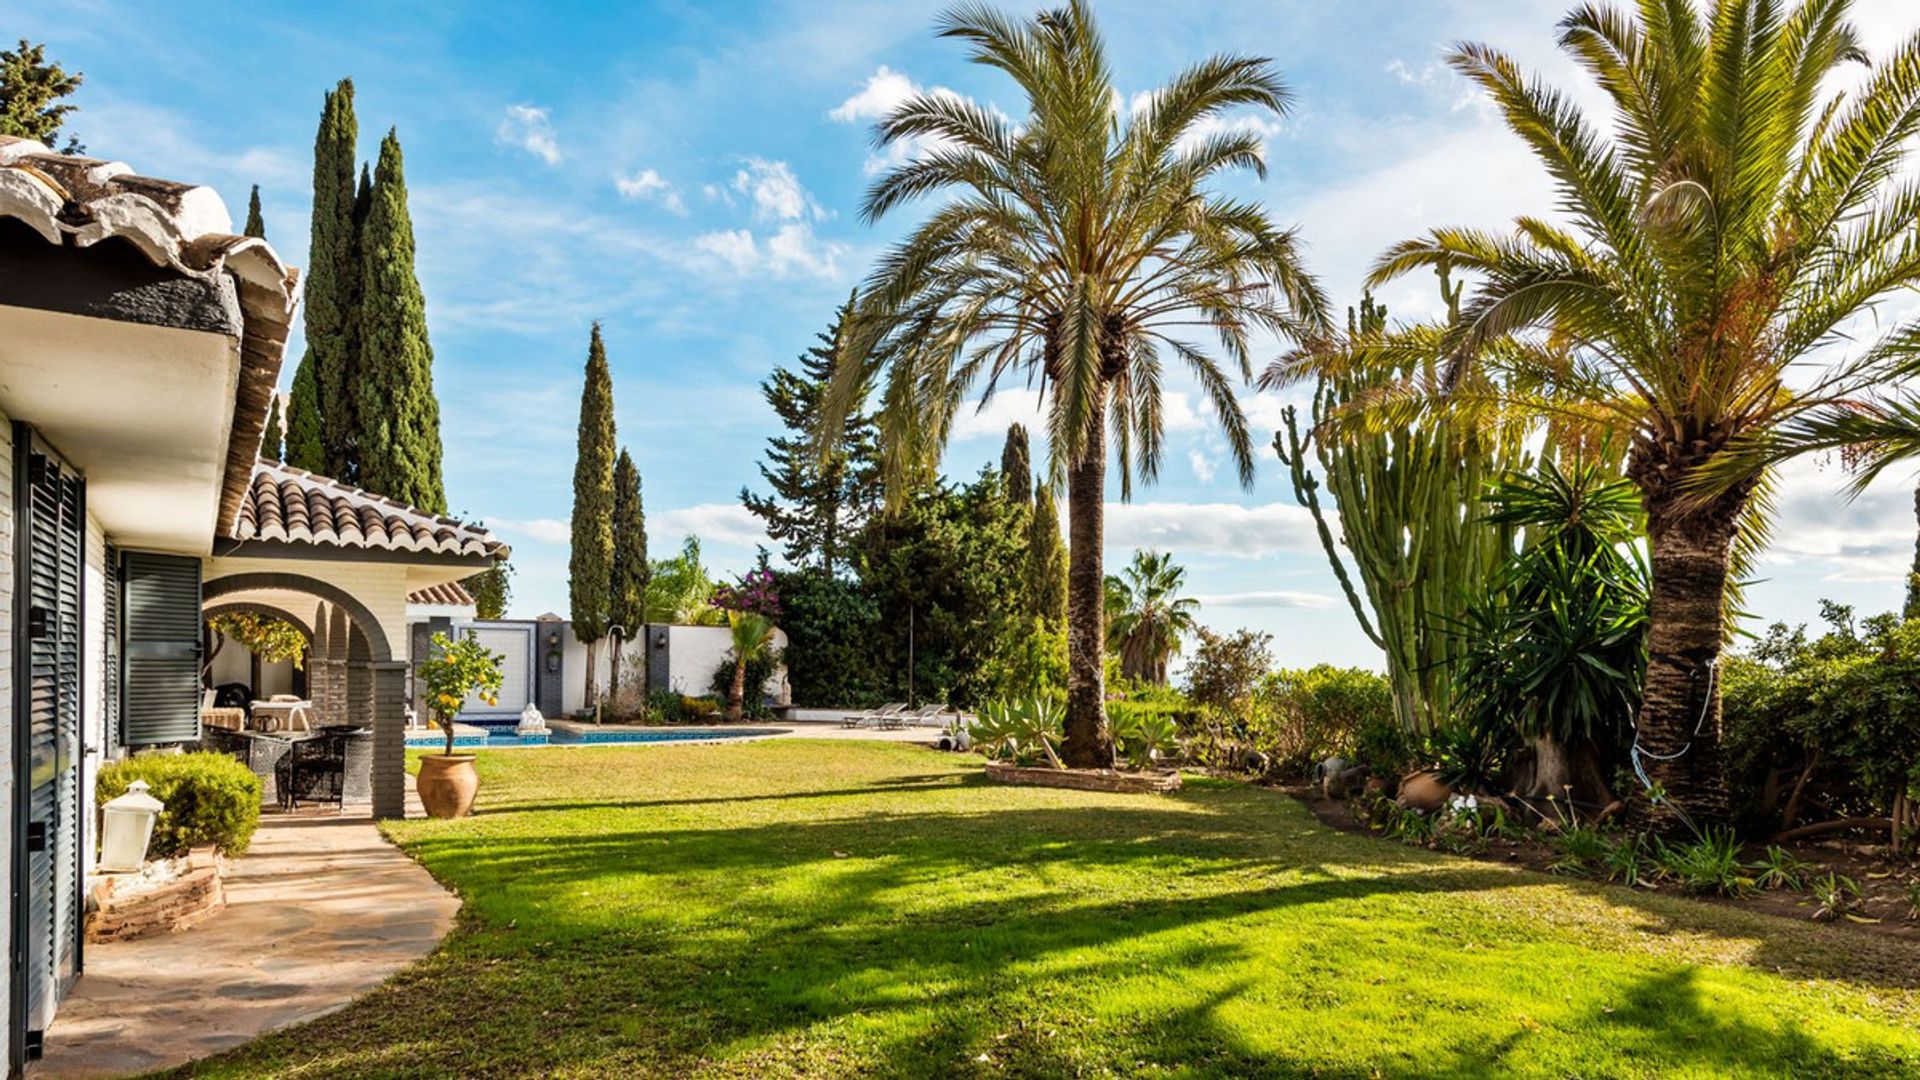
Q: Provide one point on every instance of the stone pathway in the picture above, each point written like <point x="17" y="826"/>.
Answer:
<point x="320" y="910"/>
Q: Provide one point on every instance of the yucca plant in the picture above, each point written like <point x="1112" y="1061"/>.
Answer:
<point x="1732" y="214"/>
<point x="1077" y="250"/>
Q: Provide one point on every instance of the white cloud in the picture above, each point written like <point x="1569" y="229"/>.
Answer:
<point x="530" y="129"/>
<point x="1014" y="405"/>
<point x="648" y="185"/>
<point x="1275" y="598"/>
<point x="726" y="523"/>
<point x="1243" y="532"/>
<point x="542" y="530"/>
<point x="886" y="90"/>
<point x="776" y="192"/>
<point x="791" y="251"/>
<point x="1263" y="126"/>
<point x="1203" y="466"/>
<point x="1870" y="538"/>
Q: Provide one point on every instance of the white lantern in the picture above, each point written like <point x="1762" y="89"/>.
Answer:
<point x="127" y="828"/>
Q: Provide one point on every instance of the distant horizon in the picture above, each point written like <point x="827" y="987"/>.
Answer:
<point x="692" y="179"/>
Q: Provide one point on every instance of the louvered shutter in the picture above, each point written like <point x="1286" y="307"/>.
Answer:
<point x="160" y="639"/>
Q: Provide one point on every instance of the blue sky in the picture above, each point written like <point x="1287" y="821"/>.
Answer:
<point x="690" y="175"/>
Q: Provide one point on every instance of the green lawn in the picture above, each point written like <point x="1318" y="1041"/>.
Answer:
<point x="832" y="909"/>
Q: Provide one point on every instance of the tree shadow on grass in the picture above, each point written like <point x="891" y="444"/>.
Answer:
<point x="925" y="941"/>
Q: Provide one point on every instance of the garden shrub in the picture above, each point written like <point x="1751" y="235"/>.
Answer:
<point x="210" y="799"/>
<point x="698" y="710"/>
<point x="759" y="670"/>
<point x="1840" y="709"/>
<point x="1301" y="717"/>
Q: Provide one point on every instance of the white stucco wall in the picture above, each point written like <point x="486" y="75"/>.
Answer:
<point x="235" y="664"/>
<point x="693" y="652"/>
<point x="93" y="673"/>
<point x="382" y="587"/>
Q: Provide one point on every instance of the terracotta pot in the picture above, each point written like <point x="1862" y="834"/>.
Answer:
<point x="447" y="784"/>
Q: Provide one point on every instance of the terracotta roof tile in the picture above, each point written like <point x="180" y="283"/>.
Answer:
<point x="452" y="594"/>
<point x="80" y="201"/>
<point x="288" y="504"/>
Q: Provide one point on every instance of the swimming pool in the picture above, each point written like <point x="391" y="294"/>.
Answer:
<point x="572" y="735"/>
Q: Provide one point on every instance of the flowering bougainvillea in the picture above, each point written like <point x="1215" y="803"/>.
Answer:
<point x="754" y="595"/>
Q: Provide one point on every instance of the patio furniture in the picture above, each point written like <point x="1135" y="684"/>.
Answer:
<point x="226" y="719"/>
<point x="260" y="753"/>
<point x="278" y="715"/>
<point x="927" y="715"/>
<point x="858" y="719"/>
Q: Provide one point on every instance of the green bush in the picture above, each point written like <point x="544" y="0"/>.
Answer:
<point x="759" y="670"/>
<point x="210" y="799"/>
<point x="699" y="710"/>
<point x="1301" y="717"/>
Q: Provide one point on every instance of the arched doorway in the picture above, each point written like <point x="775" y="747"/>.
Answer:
<point x="352" y="674"/>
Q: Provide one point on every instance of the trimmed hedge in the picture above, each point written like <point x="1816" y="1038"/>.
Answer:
<point x="210" y="799"/>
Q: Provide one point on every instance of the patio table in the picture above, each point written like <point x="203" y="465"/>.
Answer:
<point x="283" y="715"/>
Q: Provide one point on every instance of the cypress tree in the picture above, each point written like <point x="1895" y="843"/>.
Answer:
<point x="306" y="447"/>
<point x="399" y="431"/>
<point x="627" y="596"/>
<point x="270" y="438"/>
<point x="31" y="90"/>
<point x="256" y="225"/>
<point x="332" y="295"/>
<point x="1016" y="468"/>
<point x="1046" y="591"/>
<point x="590" y="564"/>
<point x="818" y="502"/>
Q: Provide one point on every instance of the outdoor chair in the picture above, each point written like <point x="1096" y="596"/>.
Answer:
<point x="926" y="716"/>
<point x="874" y="716"/>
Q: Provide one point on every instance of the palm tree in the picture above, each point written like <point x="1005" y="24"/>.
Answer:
<point x="1153" y="618"/>
<point x="752" y="637"/>
<point x="1075" y="251"/>
<point x="1729" y="217"/>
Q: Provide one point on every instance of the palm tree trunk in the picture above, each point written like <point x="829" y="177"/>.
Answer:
<point x="737" y="693"/>
<point x="1679" y="723"/>
<point x="1088" y="744"/>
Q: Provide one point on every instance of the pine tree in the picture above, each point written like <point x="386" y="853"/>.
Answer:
<point x="627" y="596"/>
<point x="817" y="504"/>
<point x="332" y="294"/>
<point x="590" y="565"/>
<point x="1046" y="592"/>
<point x="256" y="225"/>
<point x="30" y="93"/>
<point x="1016" y="466"/>
<point x="399" y="418"/>
<point x="305" y="446"/>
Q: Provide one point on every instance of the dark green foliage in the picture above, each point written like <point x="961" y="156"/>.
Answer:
<point x="627" y="596"/>
<point x="1046" y="569"/>
<point x="1469" y="755"/>
<point x="1225" y="671"/>
<point x="590" y="564"/>
<point x="1382" y="746"/>
<point x="210" y="799"/>
<point x="272" y="442"/>
<point x="1016" y="465"/>
<point x="1556" y="647"/>
<point x="256" y="225"/>
<point x="492" y="588"/>
<point x="831" y="626"/>
<point x="1708" y="864"/>
<point x="819" y="500"/>
<point x="946" y="566"/>
<point x="30" y="93"/>
<point x="331" y="295"/>
<point x="305" y="445"/>
<point x="398" y="433"/>
<point x="1031" y="660"/>
<point x="1840" y="710"/>
<point x="760" y="668"/>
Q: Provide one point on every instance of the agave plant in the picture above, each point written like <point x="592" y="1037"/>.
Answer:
<point x="1011" y="729"/>
<point x="1143" y="739"/>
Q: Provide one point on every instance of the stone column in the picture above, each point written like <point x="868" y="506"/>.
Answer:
<point x="359" y="692"/>
<point x="389" y="739"/>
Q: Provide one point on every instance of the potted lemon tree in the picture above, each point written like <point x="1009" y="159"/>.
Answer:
<point x="457" y="670"/>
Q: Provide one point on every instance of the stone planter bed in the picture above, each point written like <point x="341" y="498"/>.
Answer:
<point x="167" y="896"/>
<point x="1109" y="780"/>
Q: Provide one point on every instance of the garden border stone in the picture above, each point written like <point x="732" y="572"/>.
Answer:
<point x="1107" y="780"/>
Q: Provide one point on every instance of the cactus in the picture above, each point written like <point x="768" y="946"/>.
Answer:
<point x="1407" y="500"/>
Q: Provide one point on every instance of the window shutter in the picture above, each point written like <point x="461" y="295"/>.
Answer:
<point x="161" y="644"/>
<point x="110" y="635"/>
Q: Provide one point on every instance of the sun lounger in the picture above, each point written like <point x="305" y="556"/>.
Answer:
<point x="927" y="715"/>
<point x="872" y="716"/>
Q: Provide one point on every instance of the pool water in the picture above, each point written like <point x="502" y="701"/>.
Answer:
<point x="569" y="736"/>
